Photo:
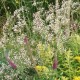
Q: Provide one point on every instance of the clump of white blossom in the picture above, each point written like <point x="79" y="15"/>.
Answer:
<point x="14" y="36"/>
<point x="59" y="23"/>
<point x="56" y="22"/>
<point x="20" y="23"/>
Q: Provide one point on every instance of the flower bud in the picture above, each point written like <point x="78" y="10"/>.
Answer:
<point x="25" y="40"/>
<point x="55" y="63"/>
<point x="11" y="63"/>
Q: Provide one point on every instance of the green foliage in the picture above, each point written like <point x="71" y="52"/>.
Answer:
<point x="37" y="46"/>
<point x="74" y="44"/>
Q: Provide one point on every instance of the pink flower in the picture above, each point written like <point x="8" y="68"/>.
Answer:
<point x="11" y="63"/>
<point x="55" y="63"/>
<point x="25" y="40"/>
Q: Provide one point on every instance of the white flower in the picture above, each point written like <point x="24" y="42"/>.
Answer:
<point x="34" y="3"/>
<point x="23" y="22"/>
<point x="38" y="23"/>
<point x="16" y="12"/>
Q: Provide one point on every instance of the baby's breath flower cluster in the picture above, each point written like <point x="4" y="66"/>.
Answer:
<point x="40" y="26"/>
<point x="20" y="23"/>
<point x="31" y="43"/>
<point x="37" y="22"/>
<point x="13" y="40"/>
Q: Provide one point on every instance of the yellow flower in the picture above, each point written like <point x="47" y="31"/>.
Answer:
<point x="76" y="78"/>
<point x="17" y="1"/>
<point x="41" y="70"/>
<point x="64" y="78"/>
<point x="38" y="68"/>
<point x="44" y="68"/>
<point x="77" y="58"/>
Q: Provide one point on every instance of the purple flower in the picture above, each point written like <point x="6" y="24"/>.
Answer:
<point x="55" y="63"/>
<point x="25" y="40"/>
<point x="11" y="63"/>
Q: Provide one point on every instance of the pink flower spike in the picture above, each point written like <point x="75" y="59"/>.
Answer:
<point x="11" y="63"/>
<point x="55" y="63"/>
<point x="25" y="40"/>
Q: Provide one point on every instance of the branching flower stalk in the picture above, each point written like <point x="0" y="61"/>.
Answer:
<point x="68" y="10"/>
<point x="66" y="7"/>
<point x="29" y="51"/>
<point x="57" y="23"/>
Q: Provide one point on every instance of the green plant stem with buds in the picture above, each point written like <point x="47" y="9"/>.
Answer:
<point x="29" y="53"/>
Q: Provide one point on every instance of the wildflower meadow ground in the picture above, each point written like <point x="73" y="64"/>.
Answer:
<point x="39" y="39"/>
